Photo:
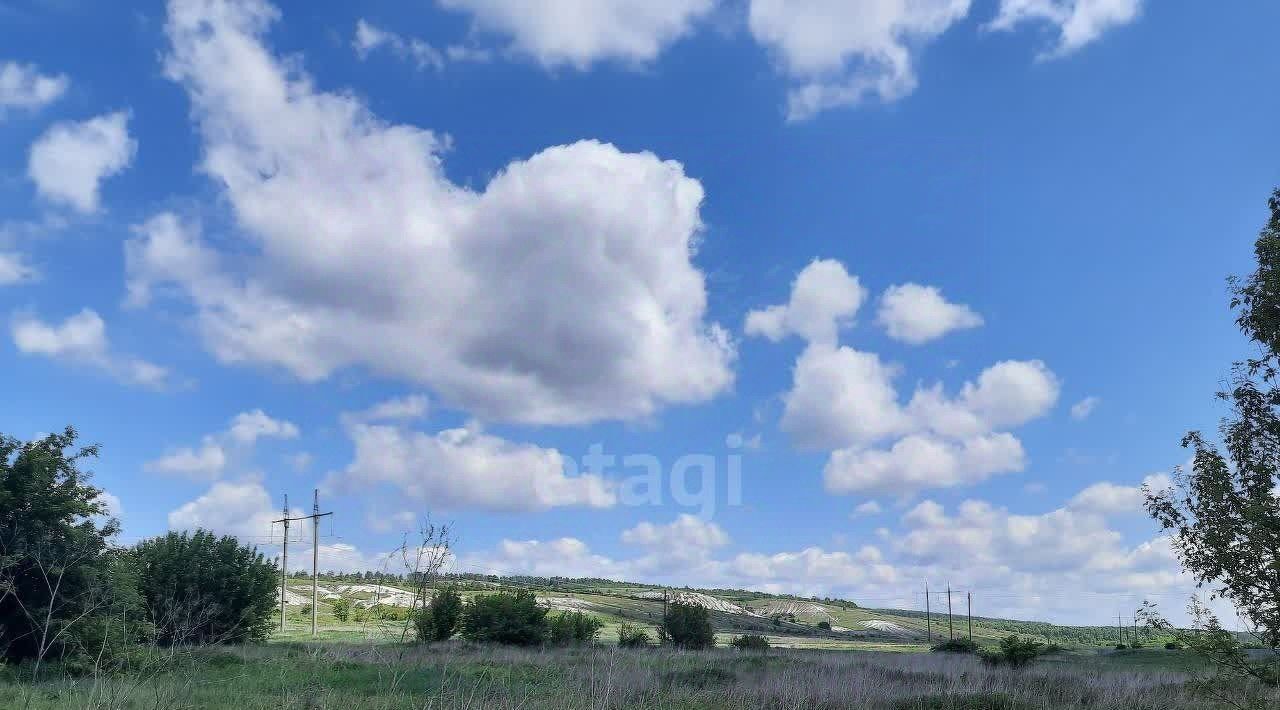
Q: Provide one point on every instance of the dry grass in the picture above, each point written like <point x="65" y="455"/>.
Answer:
<point x="455" y="675"/>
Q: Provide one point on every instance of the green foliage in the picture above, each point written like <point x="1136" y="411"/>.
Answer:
<point x="387" y="612"/>
<point x="570" y="627"/>
<point x="505" y="618"/>
<point x="341" y="608"/>
<point x="688" y="626"/>
<point x="750" y="642"/>
<point x="1014" y="651"/>
<point x="200" y="588"/>
<point x="1172" y="646"/>
<point x="632" y="636"/>
<point x="957" y="645"/>
<point x="305" y="610"/>
<point x="1225" y="518"/>
<point x="57" y="584"/>
<point x="824" y="625"/>
<point x="439" y="620"/>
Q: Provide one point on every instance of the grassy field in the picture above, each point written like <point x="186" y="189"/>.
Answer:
<point x="363" y="664"/>
<point x="383" y="676"/>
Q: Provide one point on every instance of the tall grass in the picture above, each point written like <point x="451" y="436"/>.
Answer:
<point x="457" y="675"/>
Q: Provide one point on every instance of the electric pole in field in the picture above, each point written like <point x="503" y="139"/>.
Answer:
<point x="951" y="629"/>
<point x="315" y="555"/>
<point x="969" y="595"/>
<point x="284" y="558"/>
<point x="1120" y="626"/>
<point x="928" y="617"/>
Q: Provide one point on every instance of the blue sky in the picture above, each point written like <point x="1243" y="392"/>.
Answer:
<point x="945" y="282"/>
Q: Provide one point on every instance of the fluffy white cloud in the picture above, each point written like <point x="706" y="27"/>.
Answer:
<point x="22" y="86"/>
<point x="686" y="531"/>
<point x="579" y="33"/>
<point x="563" y="557"/>
<point x="824" y="299"/>
<point x="458" y="469"/>
<point x="1011" y="393"/>
<point x="217" y="451"/>
<point x="1078" y="22"/>
<point x="1113" y="499"/>
<point x="917" y="314"/>
<point x="247" y="427"/>
<point x="204" y="463"/>
<point x="562" y="293"/>
<point x="841" y="396"/>
<point x="242" y="509"/>
<point x="1081" y="410"/>
<point x="69" y="162"/>
<point x="840" y="53"/>
<point x="923" y="461"/>
<point x="82" y="339"/>
<point x="14" y="269"/>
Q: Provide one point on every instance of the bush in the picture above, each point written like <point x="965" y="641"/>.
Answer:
<point x="960" y="645"/>
<point x="688" y="626"/>
<point x="750" y="642"/>
<point x="52" y="519"/>
<point x="631" y="636"/>
<point x="438" y="621"/>
<point x="201" y="588"/>
<point x="387" y="612"/>
<point x="824" y="625"/>
<point x="341" y="608"/>
<point x="1173" y="646"/>
<point x="305" y="610"/>
<point x="1121" y="647"/>
<point x="505" y="618"/>
<point x="1014" y="651"/>
<point x="569" y="627"/>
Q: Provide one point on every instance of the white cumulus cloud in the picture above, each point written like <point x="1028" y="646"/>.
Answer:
<point x="579" y="33"/>
<point x="824" y="299"/>
<point x="466" y="469"/>
<point x="839" y="53"/>
<point x="22" y="86"/>
<point x="82" y="339"/>
<point x="564" y="292"/>
<point x="69" y="162"/>
<point x="1077" y="22"/>
<point x="917" y="314"/>
<point x="1081" y="410"/>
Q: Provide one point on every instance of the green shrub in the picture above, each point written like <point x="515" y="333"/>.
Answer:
<point x="688" y="626"/>
<point x="341" y="608"/>
<point x="1014" y="651"/>
<point x="504" y="617"/>
<point x="570" y="627"/>
<point x="1173" y="645"/>
<point x="750" y="642"/>
<point x="200" y="588"/>
<point x="1121" y="647"/>
<point x="52" y="519"/>
<point x="305" y="610"/>
<point x="960" y="645"/>
<point x="387" y="612"/>
<point x="360" y="615"/>
<point x="438" y="621"/>
<point x="631" y="636"/>
<point x="824" y="625"/>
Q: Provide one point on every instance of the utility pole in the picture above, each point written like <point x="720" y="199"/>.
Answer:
<point x="969" y="595"/>
<point x="662" y="636"/>
<point x="315" y="554"/>
<point x="928" y="617"/>
<point x="951" y="630"/>
<point x="284" y="559"/>
<point x="1120" y="626"/>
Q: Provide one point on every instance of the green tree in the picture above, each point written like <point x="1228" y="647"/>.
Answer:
<point x="200" y="588"/>
<point x="439" y="620"/>
<point x="569" y="627"/>
<point x="1224" y="514"/>
<point x="58" y="583"/>
<point x="341" y="608"/>
<point x="505" y="618"/>
<point x="688" y="626"/>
